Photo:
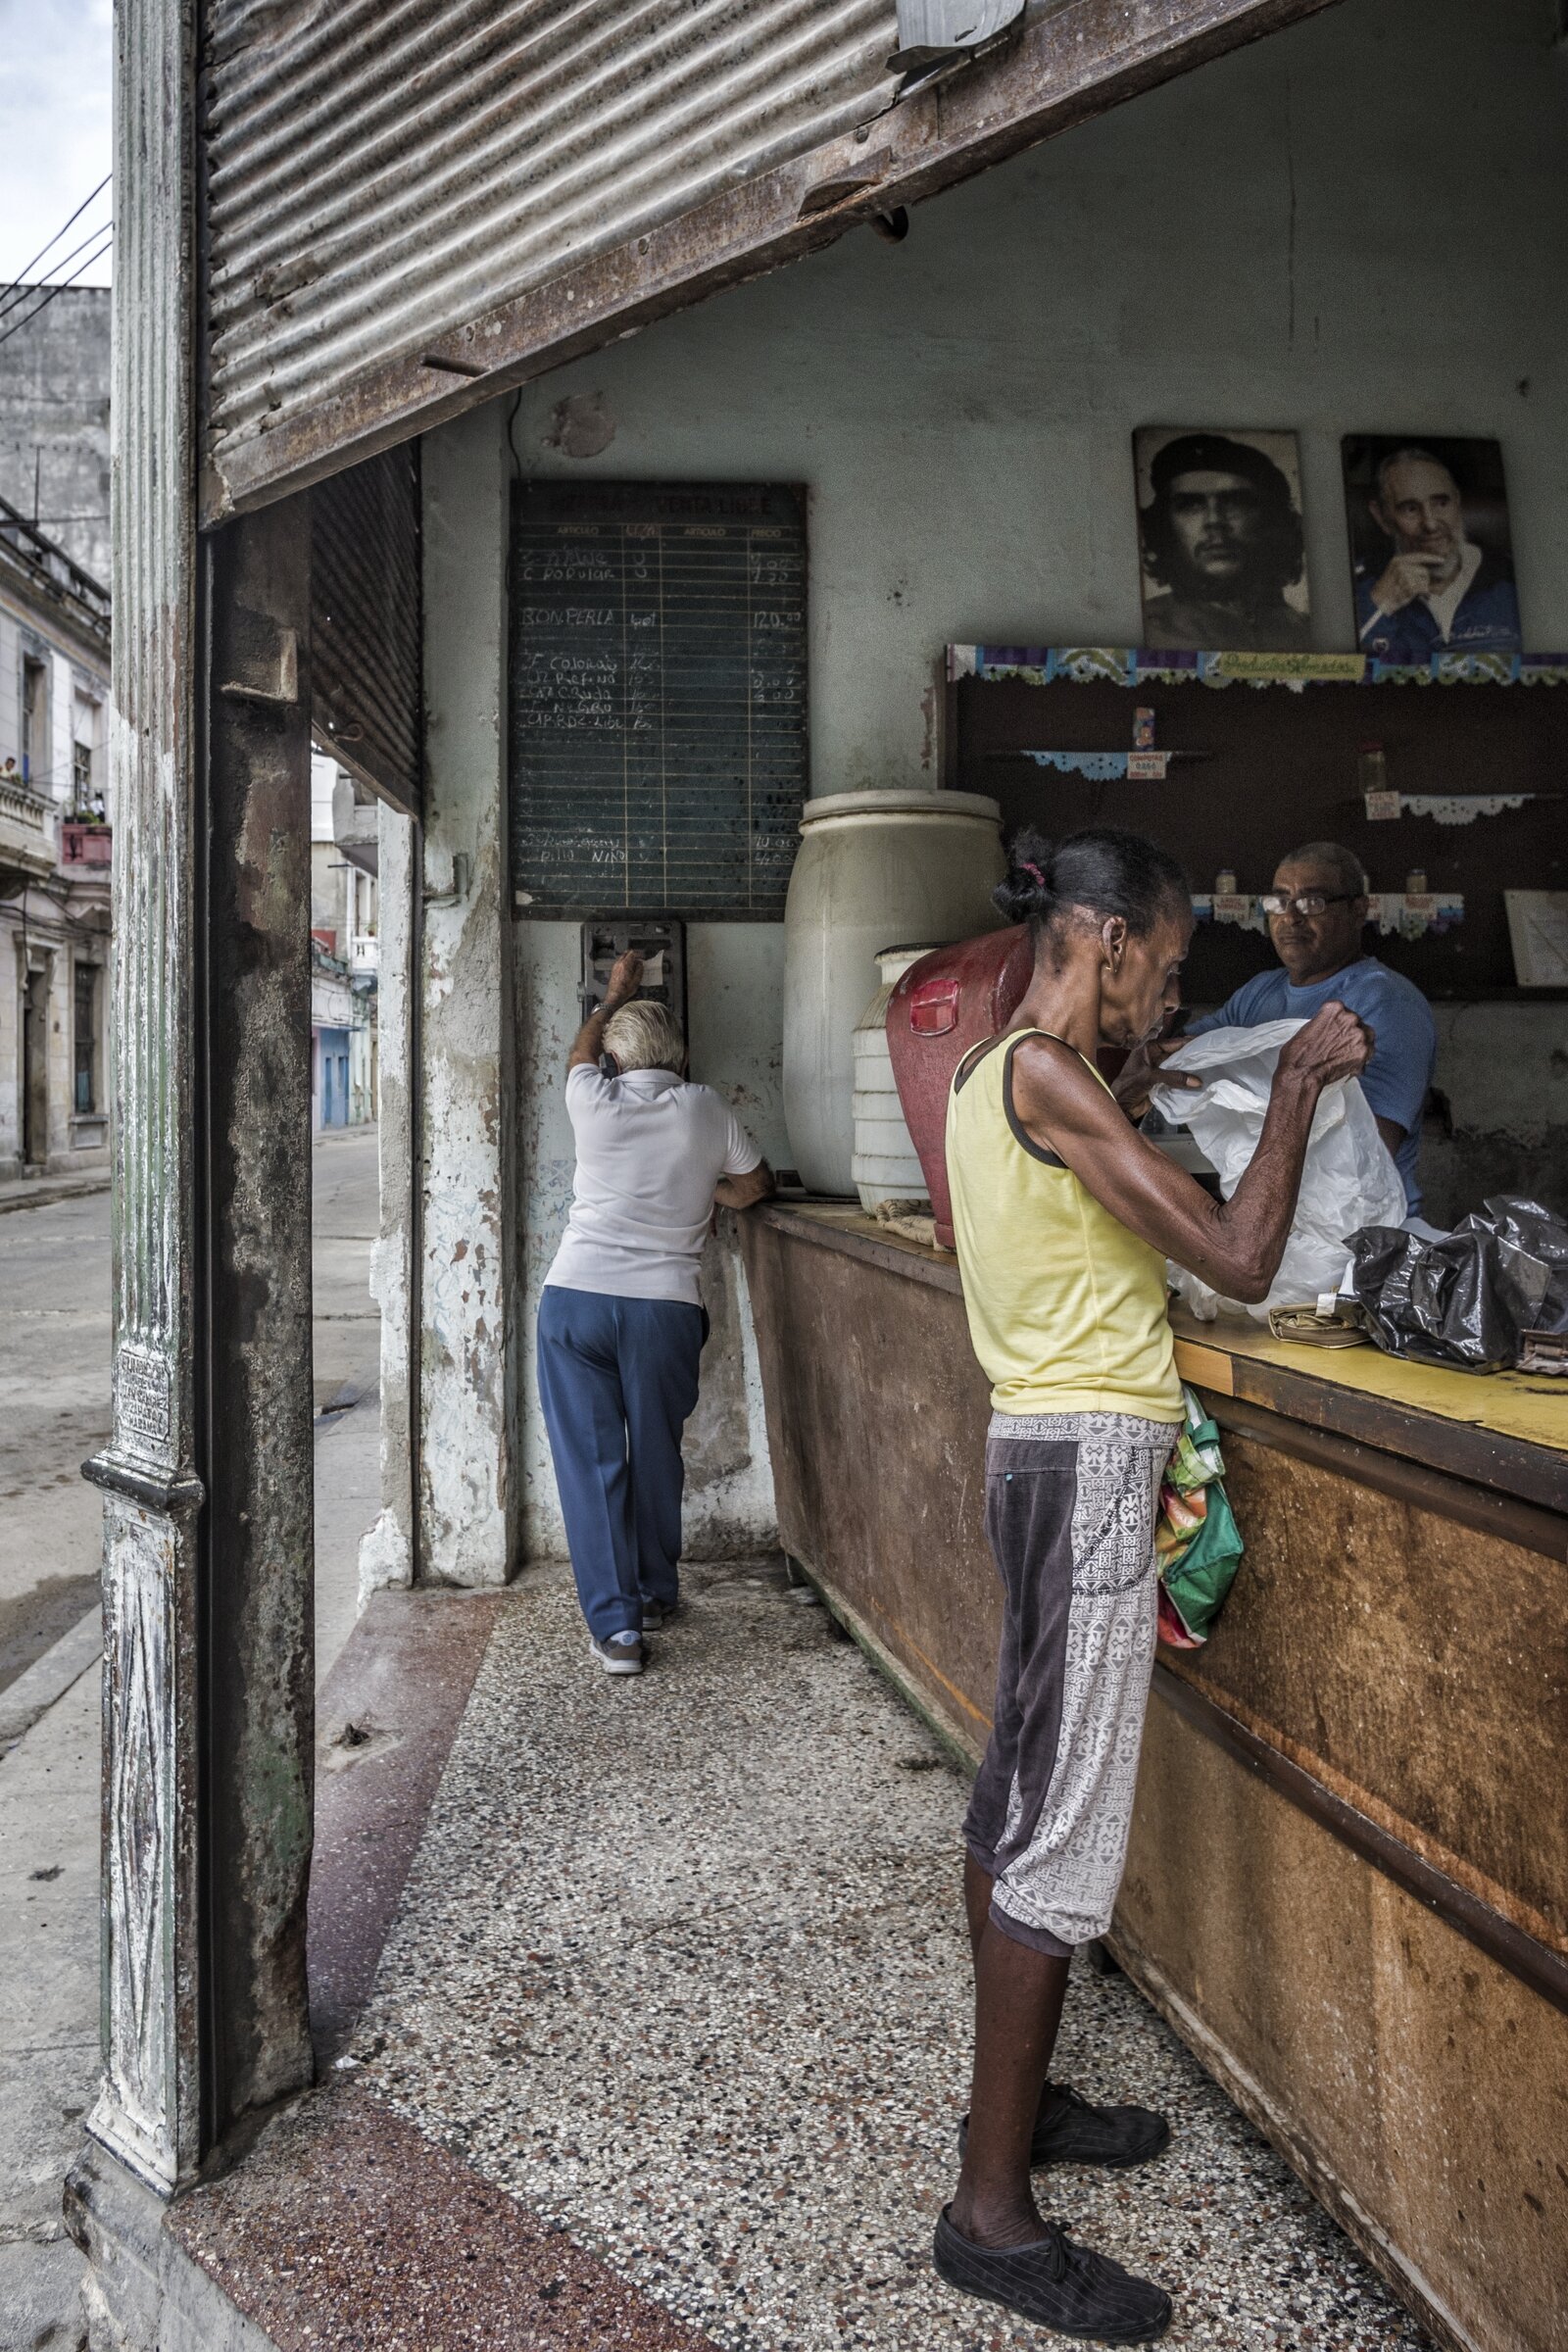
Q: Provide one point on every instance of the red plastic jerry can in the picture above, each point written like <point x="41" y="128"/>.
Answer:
<point x="943" y="1005"/>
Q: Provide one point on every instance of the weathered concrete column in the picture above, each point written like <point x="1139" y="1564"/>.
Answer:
<point x="387" y="1551"/>
<point x="150" y="2108"/>
<point x="466" y="1490"/>
<point x="206" y="1478"/>
<point x="207" y="1567"/>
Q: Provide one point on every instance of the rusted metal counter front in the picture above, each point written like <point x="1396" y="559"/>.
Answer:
<point x="1348" y="1886"/>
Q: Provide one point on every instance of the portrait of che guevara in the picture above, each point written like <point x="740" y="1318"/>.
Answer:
<point x="1223" y="557"/>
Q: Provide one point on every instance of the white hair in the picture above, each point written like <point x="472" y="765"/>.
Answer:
<point x="644" y="1036"/>
<point x="1343" y="864"/>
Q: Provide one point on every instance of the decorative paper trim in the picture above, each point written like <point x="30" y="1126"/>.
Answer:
<point x="1103" y="768"/>
<point x="1138" y="665"/>
<point x="1461" y="807"/>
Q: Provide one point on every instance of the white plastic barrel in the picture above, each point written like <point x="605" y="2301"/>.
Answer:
<point x="884" y="1165"/>
<point x="873" y="866"/>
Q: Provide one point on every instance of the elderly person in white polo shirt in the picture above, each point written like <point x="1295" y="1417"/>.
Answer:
<point x="621" y="1323"/>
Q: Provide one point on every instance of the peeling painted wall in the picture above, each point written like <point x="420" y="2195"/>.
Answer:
<point x="54" y="423"/>
<point x="465" y="1015"/>
<point x="386" y="1551"/>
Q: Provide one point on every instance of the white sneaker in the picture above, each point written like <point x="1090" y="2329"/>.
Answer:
<point x="622" y="1653"/>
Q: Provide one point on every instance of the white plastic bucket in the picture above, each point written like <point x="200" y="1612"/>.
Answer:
<point x="884" y="1166"/>
<point x="873" y="866"/>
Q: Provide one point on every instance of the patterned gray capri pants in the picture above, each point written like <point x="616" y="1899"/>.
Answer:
<point x="1071" y="1500"/>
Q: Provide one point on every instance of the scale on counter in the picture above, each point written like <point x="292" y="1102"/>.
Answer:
<point x="658" y="939"/>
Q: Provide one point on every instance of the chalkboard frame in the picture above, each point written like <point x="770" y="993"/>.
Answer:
<point x="637" y="506"/>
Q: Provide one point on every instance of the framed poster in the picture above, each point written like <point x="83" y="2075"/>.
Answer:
<point x="1219" y="534"/>
<point x="1431" y="552"/>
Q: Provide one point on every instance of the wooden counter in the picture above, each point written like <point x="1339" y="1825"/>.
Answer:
<point x="1348" y="1886"/>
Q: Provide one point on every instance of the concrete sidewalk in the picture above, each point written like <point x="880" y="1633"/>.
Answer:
<point x="40" y="1192"/>
<point x="48" y="2008"/>
<point x="49" y="1823"/>
<point x="669" y="2041"/>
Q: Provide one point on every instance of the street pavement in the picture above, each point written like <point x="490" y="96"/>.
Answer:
<point x="54" y="1412"/>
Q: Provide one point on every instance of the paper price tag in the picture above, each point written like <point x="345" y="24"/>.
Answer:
<point x="1147" y="768"/>
<point x="1380" y="806"/>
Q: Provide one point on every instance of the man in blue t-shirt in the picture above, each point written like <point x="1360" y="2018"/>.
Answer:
<point x="1317" y="910"/>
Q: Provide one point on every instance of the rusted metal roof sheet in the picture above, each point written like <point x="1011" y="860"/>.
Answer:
<point x="412" y="206"/>
<point x="380" y="175"/>
<point x="366" y="639"/>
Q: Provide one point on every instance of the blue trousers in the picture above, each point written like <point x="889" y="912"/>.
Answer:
<point x="617" y="1381"/>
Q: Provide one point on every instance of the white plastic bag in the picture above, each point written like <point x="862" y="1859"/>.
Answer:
<point x="1349" y="1178"/>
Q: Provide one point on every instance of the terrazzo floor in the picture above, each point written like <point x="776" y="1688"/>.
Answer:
<point x="680" y="1965"/>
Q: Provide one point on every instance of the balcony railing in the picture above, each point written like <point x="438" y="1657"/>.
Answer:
<point x="19" y="801"/>
<point x="26" y="847"/>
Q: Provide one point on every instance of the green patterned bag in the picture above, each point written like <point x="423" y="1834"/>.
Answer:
<point x="1197" y="1540"/>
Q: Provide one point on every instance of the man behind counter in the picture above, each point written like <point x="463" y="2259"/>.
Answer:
<point x="1316" y="911"/>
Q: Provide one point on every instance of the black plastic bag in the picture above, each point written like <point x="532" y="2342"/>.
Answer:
<point x="1465" y="1301"/>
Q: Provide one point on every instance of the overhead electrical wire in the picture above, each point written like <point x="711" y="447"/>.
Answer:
<point x="28" y="317"/>
<point x="65" y="225"/>
<point x="19" y="291"/>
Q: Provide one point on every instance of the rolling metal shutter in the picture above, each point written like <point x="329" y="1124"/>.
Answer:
<point x="365" y="653"/>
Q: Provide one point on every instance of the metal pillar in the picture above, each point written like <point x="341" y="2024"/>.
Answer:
<point x="150" y="2108"/>
<point x="208" y="1475"/>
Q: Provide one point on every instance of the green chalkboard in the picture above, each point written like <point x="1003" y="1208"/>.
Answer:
<point x="656" y="697"/>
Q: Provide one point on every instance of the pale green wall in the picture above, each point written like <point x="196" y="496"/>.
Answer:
<point x="1358" y="225"/>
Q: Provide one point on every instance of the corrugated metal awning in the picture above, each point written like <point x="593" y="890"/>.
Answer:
<point x="380" y="176"/>
<point x="414" y="206"/>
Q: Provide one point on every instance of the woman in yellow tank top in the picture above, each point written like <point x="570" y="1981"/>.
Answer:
<point x="1064" y="1216"/>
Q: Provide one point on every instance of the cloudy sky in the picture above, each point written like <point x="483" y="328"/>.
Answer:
<point x="54" y="133"/>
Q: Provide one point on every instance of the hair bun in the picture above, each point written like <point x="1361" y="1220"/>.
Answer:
<point x="1105" y="870"/>
<point x="1029" y="892"/>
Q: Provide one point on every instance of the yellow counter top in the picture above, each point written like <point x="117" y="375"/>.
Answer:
<point x="1508" y="1405"/>
<point x="1505" y="1429"/>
